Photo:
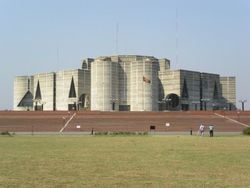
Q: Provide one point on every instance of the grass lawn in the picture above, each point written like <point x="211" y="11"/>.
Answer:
<point x="124" y="161"/>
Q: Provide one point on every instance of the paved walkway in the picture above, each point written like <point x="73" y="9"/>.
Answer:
<point x="233" y="120"/>
<point x="150" y="133"/>
<point x="67" y="123"/>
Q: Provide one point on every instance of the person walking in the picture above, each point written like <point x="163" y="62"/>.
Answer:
<point x="211" y="130"/>
<point x="202" y="129"/>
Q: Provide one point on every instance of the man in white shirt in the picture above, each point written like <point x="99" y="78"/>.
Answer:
<point x="211" y="130"/>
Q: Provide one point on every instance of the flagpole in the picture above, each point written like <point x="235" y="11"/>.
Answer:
<point x="143" y="86"/>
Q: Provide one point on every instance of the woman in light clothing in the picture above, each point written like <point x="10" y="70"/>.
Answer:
<point x="202" y="129"/>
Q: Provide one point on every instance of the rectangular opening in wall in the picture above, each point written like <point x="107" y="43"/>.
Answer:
<point x="38" y="107"/>
<point x="185" y="107"/>
<point x="124" y="107"/>
<point x="72" y="107"/>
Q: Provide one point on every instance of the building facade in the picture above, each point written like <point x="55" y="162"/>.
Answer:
<point x="23" y="93"/>
<point x="228" y="92"/>
<point x="124" y="83"/>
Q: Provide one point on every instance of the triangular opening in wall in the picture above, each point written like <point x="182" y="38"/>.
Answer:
<point x="72" y="91"/>
<point x="38" y="95"/>
<point x="26" y="100"/>
<point x="28" y="84"/>
<point x="184" y="93"/>
<point x="216" y="94"/>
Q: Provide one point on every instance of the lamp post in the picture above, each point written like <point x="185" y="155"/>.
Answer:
<point x="160" y="104"/>
<point x="43" y="103"/>
<point x="113" y="102"/>
<point x="205" y="103"/>
<point x="213" y="106"/>
<point x="167" y="101"/>
<point x="224" y="110"/>
<point x="37" y="102"/>
<point x="243" y="101"/>
<point x="79" y="104"/>
<point x="63" y="121"/>
<point x="238" y="115"/>
<point x="196" y="105"/>
<point x="72" y="104"/>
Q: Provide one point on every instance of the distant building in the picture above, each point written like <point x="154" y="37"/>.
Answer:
<point x="228" y="92"/>
<point x="124" y="83"/>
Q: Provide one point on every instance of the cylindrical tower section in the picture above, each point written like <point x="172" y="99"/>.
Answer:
<point x="104" y="85"/>
<point x="23" y="93"/>
<point x="144" y="85"/>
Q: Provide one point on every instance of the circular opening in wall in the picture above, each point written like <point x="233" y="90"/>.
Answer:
<point x="173" y="100"/>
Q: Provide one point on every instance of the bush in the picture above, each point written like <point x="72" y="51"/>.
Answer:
<point x="143" y="133"/>
<point x="121" y="133"/>
<point x="246" y="131"/>
<point x="6" y="133"/>
<point x="101" y="133"/>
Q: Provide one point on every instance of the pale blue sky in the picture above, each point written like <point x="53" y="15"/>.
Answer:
<point x="49" y="35"/>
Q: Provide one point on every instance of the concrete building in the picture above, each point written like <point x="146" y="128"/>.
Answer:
<point x="190" y="90"/>
<point x="63" y="90"/>
<point x="73" y="89"/>
<point x="44" y="96"/>
<point x="124" y="83"/>
<point x="228" y="92"/>
<point x="104" y="84"/>
<point x="23" y="93"/>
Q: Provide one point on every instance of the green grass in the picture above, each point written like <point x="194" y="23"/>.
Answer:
<point x="124" y="161"/>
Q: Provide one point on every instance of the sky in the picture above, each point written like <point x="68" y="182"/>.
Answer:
<point x="44" y="35"/>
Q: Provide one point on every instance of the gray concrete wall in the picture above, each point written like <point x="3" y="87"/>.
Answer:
<point x="126" y="82"/>
<point x="170" y="80"/>
<point x="104" y="84"/>
<point x="193" y="87"/>
<point x="46" y="81"/>
<point x="144" y="85"/>
<point x="82" y="86"/>
<point x="208" y="85"/>
<point x="164" y="64"/>
<point x="22" y="84"/>
<point x="228" y="85"/>
<point x="119" y="80"/>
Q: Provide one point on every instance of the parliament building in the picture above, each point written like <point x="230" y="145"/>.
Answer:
<point x="124" y="83"/>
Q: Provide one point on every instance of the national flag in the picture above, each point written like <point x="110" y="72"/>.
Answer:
<point x="146" y="80"/>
